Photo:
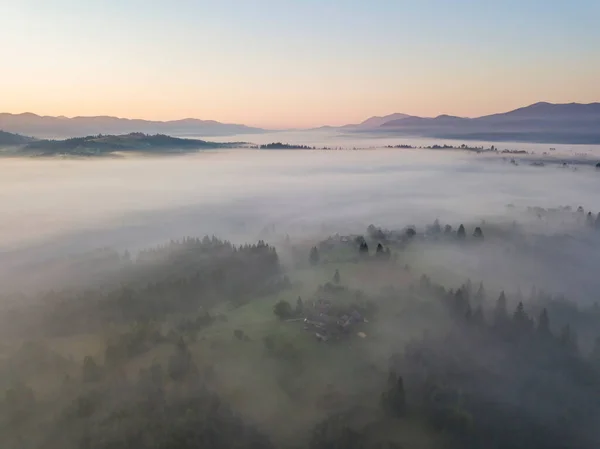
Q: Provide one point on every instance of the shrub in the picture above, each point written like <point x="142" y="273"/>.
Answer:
<point x="283" y="310"/>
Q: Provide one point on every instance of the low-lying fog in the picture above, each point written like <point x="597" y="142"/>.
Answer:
<point x="58" y="206"/>
<point x="140" y="201"/>
<point x="109" y="347"/>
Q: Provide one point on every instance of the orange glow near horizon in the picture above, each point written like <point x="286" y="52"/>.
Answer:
<point x="113" y="58"/>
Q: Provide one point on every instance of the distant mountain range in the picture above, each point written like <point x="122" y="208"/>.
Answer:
<point x="61" y="127"/>
<point x="573" y="123"/>
<point x="377" y="121"/>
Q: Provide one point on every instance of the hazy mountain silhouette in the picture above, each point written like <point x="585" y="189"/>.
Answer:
<point x="47" y="126"/>
<point x="552" y="110"/>
<point x="374" y="122"/>
<point x="444" y="120"/>
<point x="540" y="122"/>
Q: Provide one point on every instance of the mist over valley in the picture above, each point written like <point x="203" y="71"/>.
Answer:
<point x="299" y="225"/>
<point x="97" y="252"/>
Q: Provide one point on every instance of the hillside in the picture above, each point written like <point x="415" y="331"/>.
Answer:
<point x="363" y="344"/>
<point x="52" y="127"/>
<point x="10" y="139"/>
<point x="133" y="142"/>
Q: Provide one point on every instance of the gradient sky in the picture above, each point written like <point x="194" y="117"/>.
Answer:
<point x="301" y="63"/>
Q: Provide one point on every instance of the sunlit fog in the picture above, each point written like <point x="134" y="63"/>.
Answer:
<point x="299" y="224"/>
<point x="375" y="270"/>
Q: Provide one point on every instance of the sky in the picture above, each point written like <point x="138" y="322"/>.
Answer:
<point x="295" y="63"/>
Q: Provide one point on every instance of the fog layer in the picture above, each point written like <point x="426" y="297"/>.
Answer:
<point x="166" y="339"/>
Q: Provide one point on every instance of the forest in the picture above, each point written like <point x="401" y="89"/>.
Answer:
<point x="201" y="342"/>
<point x="98" y="145"/>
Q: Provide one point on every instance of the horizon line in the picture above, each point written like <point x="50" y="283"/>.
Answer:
<point x="276" y="128"/>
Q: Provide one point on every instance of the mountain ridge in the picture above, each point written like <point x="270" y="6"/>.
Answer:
<point x="573" y="123"/>
<point x="542" y="107"/>
<point x="46" y="126"/>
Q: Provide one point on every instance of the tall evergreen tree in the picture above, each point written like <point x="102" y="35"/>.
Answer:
<point x="299" y="306"/>
<point x="461" y="233"/>
<point x="468" y="289"/>
<point x="394" y="398"/>
<point x="480" y="295"/>
<point x="521" y="319"/>
<point x="543" y="325"/>
<point x="500" y="312"/>
<point x="590" y="219"/>
<point x="314" y="256"/>
<point x="461" y="304"/>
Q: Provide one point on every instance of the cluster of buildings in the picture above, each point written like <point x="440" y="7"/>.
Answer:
<point x="327" y="323"/>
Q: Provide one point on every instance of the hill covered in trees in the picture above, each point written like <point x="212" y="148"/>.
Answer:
<point x="106" y="144"/>
<point x="10" y="139"/>
<point x="354" y="341"/>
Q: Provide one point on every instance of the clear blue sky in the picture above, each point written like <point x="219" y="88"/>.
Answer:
<point x="295" y="63"/>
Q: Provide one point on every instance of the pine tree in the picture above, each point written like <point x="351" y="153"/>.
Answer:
<point x="394" y="398"/>
<point x="299" y="306"/>
<point x="314" y="256"/>
<point x="480" y="295"/>
<point x="468" y="288"/>
<point x="469" y="313"/>
<point x="590" y="219"/>
<point x="478" y="233"/>
<point x="461" y="304"/>
<point x="543" y="325"/>
<point x="461" y="233"/>
<point x="520" y="318"/>
<point x="500" y="312"/>
<point x="336" y="276"/>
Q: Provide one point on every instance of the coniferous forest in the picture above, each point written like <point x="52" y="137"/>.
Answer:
<point x="356" y="341"/>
